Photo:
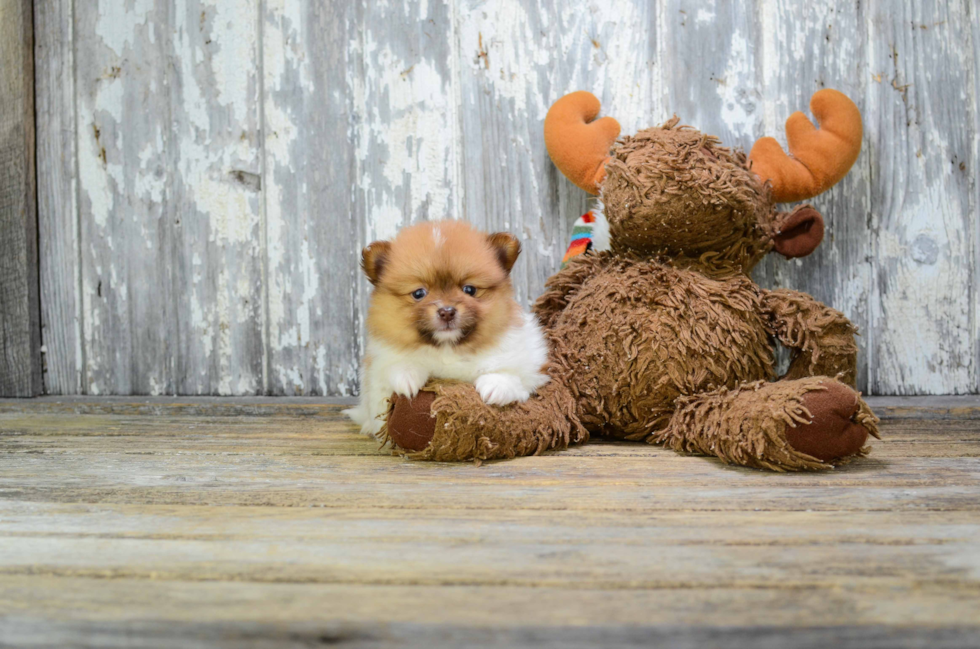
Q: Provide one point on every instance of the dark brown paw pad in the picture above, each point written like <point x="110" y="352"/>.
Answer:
<point x="832" y="434"/>
<point x="411" y="424"/>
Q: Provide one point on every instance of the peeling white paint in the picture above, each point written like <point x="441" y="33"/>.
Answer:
<point x="446" y="100"/>
<point x="407" y="108"/>
<point x="205" y="174"/>
<point x="282" y="132"/>
<point x="116" y="26"/>
<point x="735" y="90"/>
<point x="234" y="57"/>
<point x="704" y="16"/>
<point x="150" y="183"/>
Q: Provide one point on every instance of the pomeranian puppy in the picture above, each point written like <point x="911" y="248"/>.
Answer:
<point x="443" y="307"/>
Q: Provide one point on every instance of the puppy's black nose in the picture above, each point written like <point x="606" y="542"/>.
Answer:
<point x="447" y="313"/>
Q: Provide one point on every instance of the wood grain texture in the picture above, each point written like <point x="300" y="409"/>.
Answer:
<point x="215" y="171"/>
<point x="974" y="165"/>
<point x="20" y="312"/>
<point x="713" y="68"/>
<point x="126" y="196"/>
<point x="213" y="248"/>
<point x="57" y="206"/>
<point x="921" y="115"/>
<point x="66" y="632"/>
<point x="150" y="529"/>
<point x="168" y="161"/>
<point x="313" y="240"/>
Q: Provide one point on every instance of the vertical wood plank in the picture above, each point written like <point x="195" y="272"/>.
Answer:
<point x="314" y="238"/>
<point x="712" y="67"/>
<point x="407" y="110"/>
<point x="170" y="184"/>
<point x="921" y="117"/>
<point x="20" y="330"/>
<point x="57" y="209"/>
<point x="806" y="47"/>
<point x="974" y="166"/>
<point x="126" y="152"/>
<point x="216" y="184"/>
<point x="516" y="58"/>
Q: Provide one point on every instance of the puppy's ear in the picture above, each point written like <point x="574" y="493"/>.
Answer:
<point x="507" y="248"/>
<point x="373" y="259"/>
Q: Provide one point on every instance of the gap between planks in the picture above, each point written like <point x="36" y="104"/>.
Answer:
<point x="886" y="407"/>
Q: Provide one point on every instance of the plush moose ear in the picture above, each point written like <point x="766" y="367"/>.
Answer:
<point x="507" y="248"/>
<point x="799" y="232"/>
<point x="373" y="259"/>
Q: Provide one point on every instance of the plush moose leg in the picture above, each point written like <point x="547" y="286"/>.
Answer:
<point x="822" y="339"/>
<point x="449" y="422"/>
<point x="792" y="425"/>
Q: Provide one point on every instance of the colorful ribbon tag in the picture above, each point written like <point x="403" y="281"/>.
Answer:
<point x="582" y="236"/>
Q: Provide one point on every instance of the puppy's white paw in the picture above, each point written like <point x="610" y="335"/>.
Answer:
<point x="407" y="381"/>
<point x="370" y="426"/>
<point x="373" y="428"/>
<point x="501" y="389"/>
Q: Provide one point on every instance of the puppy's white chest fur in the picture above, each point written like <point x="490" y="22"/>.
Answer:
<point x="508" y="371"/>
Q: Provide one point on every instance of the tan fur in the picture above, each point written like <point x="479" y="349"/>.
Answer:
<point x="469" y="429"/>
<point x="676" y="192"/>
<point x="745" y="425"/>
<point x="821" y="338"/>
<point x="442" y="257"/>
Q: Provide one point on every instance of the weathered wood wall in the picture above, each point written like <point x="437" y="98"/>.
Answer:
<point x="20" y="314"/>
<point x="209" y="170"/>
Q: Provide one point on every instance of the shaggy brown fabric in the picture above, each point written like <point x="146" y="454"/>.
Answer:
<point x="561" y="285"/>
<point x="468" y="429"/>
<point x="675" y="191"/>
<point x="748" y="425"/>
<point x="665" y="338"/>
<point x="821" y="338"/>
<point x="639" y="333"/>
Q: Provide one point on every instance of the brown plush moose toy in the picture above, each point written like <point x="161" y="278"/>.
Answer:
<point x="663" y="337"/>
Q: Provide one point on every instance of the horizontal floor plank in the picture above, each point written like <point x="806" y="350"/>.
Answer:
<point x="571" y="498"/>
<point x="275" y="524"/>
<point x="732" y="549"/>
<point x="114" y="601"/>
<point x="39" y="434"/>
<point x="939" y="444"/>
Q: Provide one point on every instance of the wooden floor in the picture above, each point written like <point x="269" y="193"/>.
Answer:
<point x="239" y="523"/>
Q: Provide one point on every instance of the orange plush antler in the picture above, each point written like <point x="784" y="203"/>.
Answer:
<point x="578" y="146"/>
<point x="820" y="158"/>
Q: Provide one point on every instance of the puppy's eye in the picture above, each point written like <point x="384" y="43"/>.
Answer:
<point x="419" y="293"/>
<point x="469" y="289"/>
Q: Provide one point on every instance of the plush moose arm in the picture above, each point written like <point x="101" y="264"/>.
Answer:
<point x="821" y="338"/>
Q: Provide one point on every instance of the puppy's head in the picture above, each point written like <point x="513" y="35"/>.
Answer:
<point x="441" y="283"/>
